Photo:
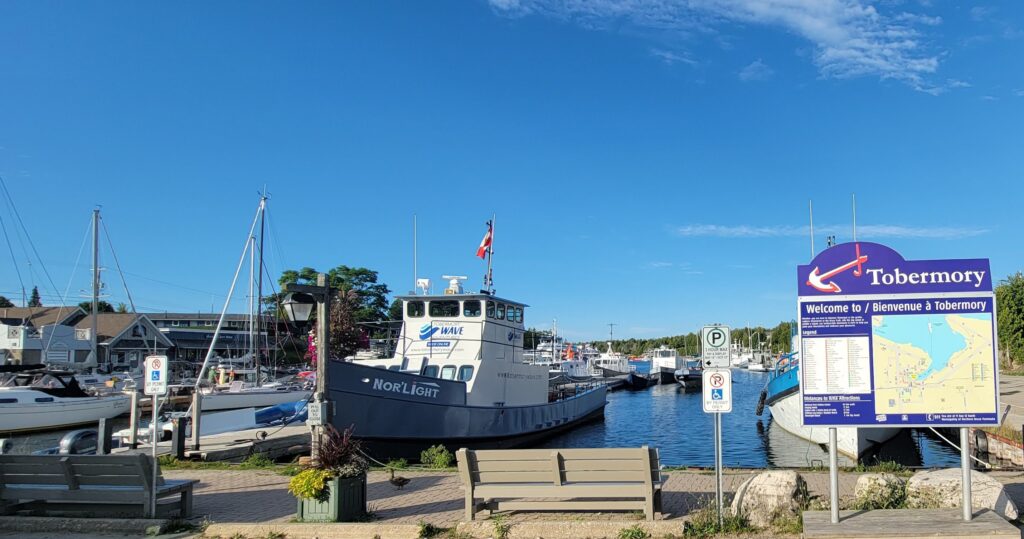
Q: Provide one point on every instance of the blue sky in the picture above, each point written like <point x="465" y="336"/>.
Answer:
<point x="650" y="163"/>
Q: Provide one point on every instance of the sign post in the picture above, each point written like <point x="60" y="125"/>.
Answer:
<point x="717" y="393"/>
<point x="156" y="386"/>
<point x="889" y="342"/>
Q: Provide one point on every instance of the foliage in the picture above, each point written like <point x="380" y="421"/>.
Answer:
<point x="878" y="497"/>
<point x="122" y="308"/>
<point x="502" y="527"/>
<point x="428" y="530"/>
<point x="34" y="300"/>
<point x="395" y="311"/>
<point x="256" y="461"/>
<point x="437" y="457"/>
<point x="5" y="303"/>
<point x="310" y="483"/>
<point x="371" y="297"/>
<point x="704" y="522"/>
<point x="635" y="531"/>
<point x="341" y="454"/>
<point x="398" y="464"/>
<point x="1010" y="315"/>
<point x="885" y="466"/>
<point x="776" y="339"/>
<point x="101" y="306"/>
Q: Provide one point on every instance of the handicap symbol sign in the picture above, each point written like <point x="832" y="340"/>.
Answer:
<point x="155" y="376"/>
<point x="716" y="395"/>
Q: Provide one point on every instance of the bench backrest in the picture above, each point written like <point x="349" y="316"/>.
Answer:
<point x="559" y="466"/>
<point x="74" y="471"/>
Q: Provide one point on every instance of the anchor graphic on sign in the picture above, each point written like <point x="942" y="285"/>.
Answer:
<point x="820" y="282"/>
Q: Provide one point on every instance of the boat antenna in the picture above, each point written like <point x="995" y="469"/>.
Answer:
<point x="611" y="331"/>
<point x="853" y="196"/>
<point x="415" y="271"/>
<point x="490" y="257"/>
<point x="810" y="210"/>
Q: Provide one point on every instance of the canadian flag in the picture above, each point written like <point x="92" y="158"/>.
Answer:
<point x="486" y="242"/>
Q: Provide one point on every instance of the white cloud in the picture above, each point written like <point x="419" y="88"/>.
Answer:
<point x="661" y="264"/>
<point x="850" y="38"/>
<point x="756" y="70"/>
<point x="863" y="231"/>
<point x="989" y="98"/>
<point x="980" y="13"/>
<point x="670" y="57"/>
<point x="1019" y="93"/>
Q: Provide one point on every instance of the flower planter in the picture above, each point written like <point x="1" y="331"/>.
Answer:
<point x="346" y="503"/>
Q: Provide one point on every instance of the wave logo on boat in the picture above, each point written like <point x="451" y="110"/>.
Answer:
<point x="429" y="390"/>
<point x="427" y="331"/>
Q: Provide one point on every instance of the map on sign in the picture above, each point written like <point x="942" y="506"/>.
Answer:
<point x="933" y="363"/>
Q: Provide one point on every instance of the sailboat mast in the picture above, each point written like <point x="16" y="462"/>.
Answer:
<point x="490" y="259"/>
<point x="252" y="290"/>
<point x="259" y="289"/>
<point x="95" y="285"/>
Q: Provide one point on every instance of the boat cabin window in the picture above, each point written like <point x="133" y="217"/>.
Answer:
<point x="490" y="309"/>
<point x="430" y="371"/>
<point x="465" y="373"/>
<point x="471" y="308"/>
<point x="448" y="372"/>
<point x="395" y="368"/>
<point x="515" y="314"/>
<point x="444" y="308"/>
<point x="414" y="309"/>
<point x="501" y="311"/>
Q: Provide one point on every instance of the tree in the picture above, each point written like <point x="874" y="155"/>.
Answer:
<point x="1010" y="313"/>
<point x="34" y="300"/>
<point x="371" y="302"/>
<point x="4" y="303"/>
<point x="345" y="336"/>
<point x="395" y="311"/>
<point x="101" y="306"/>
<point x="122" y="308"/>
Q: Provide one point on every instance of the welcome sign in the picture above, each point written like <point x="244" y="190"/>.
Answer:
<point x="886" y="341"/>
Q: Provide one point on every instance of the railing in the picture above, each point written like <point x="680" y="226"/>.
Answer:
<point x="785" y="363"/>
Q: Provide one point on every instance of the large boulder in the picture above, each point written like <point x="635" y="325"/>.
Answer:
<point x="879" y="491"/>
<point x="942" y="488"/>
<point x="770" y="495"/>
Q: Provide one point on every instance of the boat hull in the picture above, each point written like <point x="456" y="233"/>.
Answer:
<point x="666" y="375"/>
<point x="396" y="423"/>
<point x="852" y="442"/>
<point x="637" y="382"/>
<point x="256" y="399"/>
<point x="61" y="413"/>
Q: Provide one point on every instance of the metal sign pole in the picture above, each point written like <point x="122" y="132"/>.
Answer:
<point x="718" y="465"/>
<point x="153" y="440"/>
<point x="833" y="473"/>
<point x="965" y="468"/>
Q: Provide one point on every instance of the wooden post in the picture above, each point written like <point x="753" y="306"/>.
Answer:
<point x="323" y="325"/>
<point x="178" y="438"/>
<point x="104" y="435"/>
<point x="197" y="409"/>
<point x="133" y="422"/>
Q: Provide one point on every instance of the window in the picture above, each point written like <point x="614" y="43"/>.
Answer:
<point x="444" y="308"/>
<point x="430" y="371"/>
<point x="515" y="314"/>
<point x="471" y="308"/>
<point x="465" y="373"/>
<point x="490" y="309"/>
<point x="395" y="368"/>
<point x="501" y="311"/>
<point x="414" y="309"/>
<point x="448" y="372"/>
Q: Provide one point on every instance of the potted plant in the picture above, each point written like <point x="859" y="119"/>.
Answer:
<point x="334" y="490"/>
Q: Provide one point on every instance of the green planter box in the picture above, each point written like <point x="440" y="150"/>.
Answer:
<point x="347" y="502"/>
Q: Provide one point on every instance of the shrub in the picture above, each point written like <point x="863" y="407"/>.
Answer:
<point x="255" y="461"/>
<point x="398" y="464"/>
<point x="437" y="457"/>
<point x="341" y="454"/>
<point x="704" y="522"/>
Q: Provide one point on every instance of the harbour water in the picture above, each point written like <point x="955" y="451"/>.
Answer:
<point x="672" y="420"/>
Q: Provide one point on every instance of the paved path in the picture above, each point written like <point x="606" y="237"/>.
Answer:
<point x="252" y="496"/>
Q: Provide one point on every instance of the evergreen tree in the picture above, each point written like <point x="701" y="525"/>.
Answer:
<point x="4" y="303"/>
<point x="34" y="300"/>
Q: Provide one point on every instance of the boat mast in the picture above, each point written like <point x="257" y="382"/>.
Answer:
<point x="252" y="290"/>
<point x="259" y="290"/>
<point x="95" y="285"/>
<point x="415" y="272"/>
<point x="490" y="257"/>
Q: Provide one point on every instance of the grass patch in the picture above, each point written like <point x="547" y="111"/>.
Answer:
<point x="635" y="531"/>
<point x="257" y="461"/>
<point x="428" y="530"/>
<point x="502" y="527"/>
<point x="885" y="466"/>
<point x="704" y="522"/>
<point x="1006" y="431"/>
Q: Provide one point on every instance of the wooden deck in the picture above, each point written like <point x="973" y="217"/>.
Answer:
<point x="903" y="523"/>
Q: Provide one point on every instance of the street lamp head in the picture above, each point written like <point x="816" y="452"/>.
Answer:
<point x="298" y="306"/>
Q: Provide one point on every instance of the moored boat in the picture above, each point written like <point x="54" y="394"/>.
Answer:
<point x="44" y="400"/>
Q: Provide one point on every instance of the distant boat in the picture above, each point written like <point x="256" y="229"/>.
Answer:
<point x="665" y="362"/>
<point x="636" y="382"/>
<point x="43" y="400"/>
<point x="691" y="375"/>
<point x="609" y="364"/>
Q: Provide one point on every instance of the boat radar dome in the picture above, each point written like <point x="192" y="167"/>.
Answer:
<point x="454" y="283"/>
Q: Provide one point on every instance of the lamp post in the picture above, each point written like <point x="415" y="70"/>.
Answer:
<point x="298" y="305"/>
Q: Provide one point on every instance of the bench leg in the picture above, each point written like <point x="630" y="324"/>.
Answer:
<point x="649" y="506"/>
<point x="470" y="506"/>
<point x="186" y="503"/>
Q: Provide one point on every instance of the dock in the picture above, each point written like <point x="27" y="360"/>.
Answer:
<point x="904" y="523"/>
<point x="273" y="442"/>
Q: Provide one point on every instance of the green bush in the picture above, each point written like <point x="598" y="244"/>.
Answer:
<point x="437" y="457"/>
<point x="704" y="522"/>
<point x="256" y="461"/>
<point x="310" y="483"/>
<point x="398" y="464"/>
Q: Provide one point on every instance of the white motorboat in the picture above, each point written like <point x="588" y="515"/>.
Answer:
<point x="609" y="363"/>
<point x="245" y="395"/>
<point x="665" y="362"/>
<point x="42" y="400"/>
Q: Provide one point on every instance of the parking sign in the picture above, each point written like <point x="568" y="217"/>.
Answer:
<point x="156" y="375"/>
<point x="717" y="391"/>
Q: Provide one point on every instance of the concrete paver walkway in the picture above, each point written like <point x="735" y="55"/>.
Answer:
<point x="253" y="496"/>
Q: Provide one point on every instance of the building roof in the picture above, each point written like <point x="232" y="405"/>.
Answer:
<point x="110" y="326"/>
<point x="40" y="316"/>
<point x="199" y="316"/>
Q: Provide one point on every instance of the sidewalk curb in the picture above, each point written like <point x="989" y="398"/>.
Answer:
<point x="309" y="530"/>
<point x="81" y="525"/>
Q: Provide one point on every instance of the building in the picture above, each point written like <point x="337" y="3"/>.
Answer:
<point x="192" y="334"/>
<point x="125" y="339"/>
<point x="34" y="335"/>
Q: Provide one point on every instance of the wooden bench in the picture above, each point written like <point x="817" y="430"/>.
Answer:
<point x="98" y="485"/>
<point x="626" y="479"/>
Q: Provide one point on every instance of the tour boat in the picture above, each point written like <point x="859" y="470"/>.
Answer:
<point x="609" y="364"/>
<point x="457" y="377"/>
<point x="665" y="362"/>
<point x="43" y="400"/>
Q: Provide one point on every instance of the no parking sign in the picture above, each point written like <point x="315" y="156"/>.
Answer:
<point x="717" y="391"/>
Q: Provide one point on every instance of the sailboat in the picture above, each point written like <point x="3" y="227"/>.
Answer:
<point x="250" y="392"/>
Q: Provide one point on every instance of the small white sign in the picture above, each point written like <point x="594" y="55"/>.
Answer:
<point x="717" y="391"/>
<point x="316" y="413"/>
<point x="156" y="375"/>
<point x="716" y="346"/>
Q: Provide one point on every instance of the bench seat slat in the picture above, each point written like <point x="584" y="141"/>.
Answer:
<point x="545" y="454"/>
<point x="513" y="477"/>
<point x="590" y="505"/>
<point x="579" y="490"/>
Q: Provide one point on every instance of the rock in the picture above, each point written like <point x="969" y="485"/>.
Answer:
<point x="941" y="488"/>
<point x="879" y="491"/>
<point x="768" y="495"/>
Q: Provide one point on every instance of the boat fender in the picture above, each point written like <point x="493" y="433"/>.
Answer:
<point x="980" y="441"/>
<point x="760" y="401"/>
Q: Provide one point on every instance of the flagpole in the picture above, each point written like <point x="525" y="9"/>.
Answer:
<point x="490" y="258"/>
